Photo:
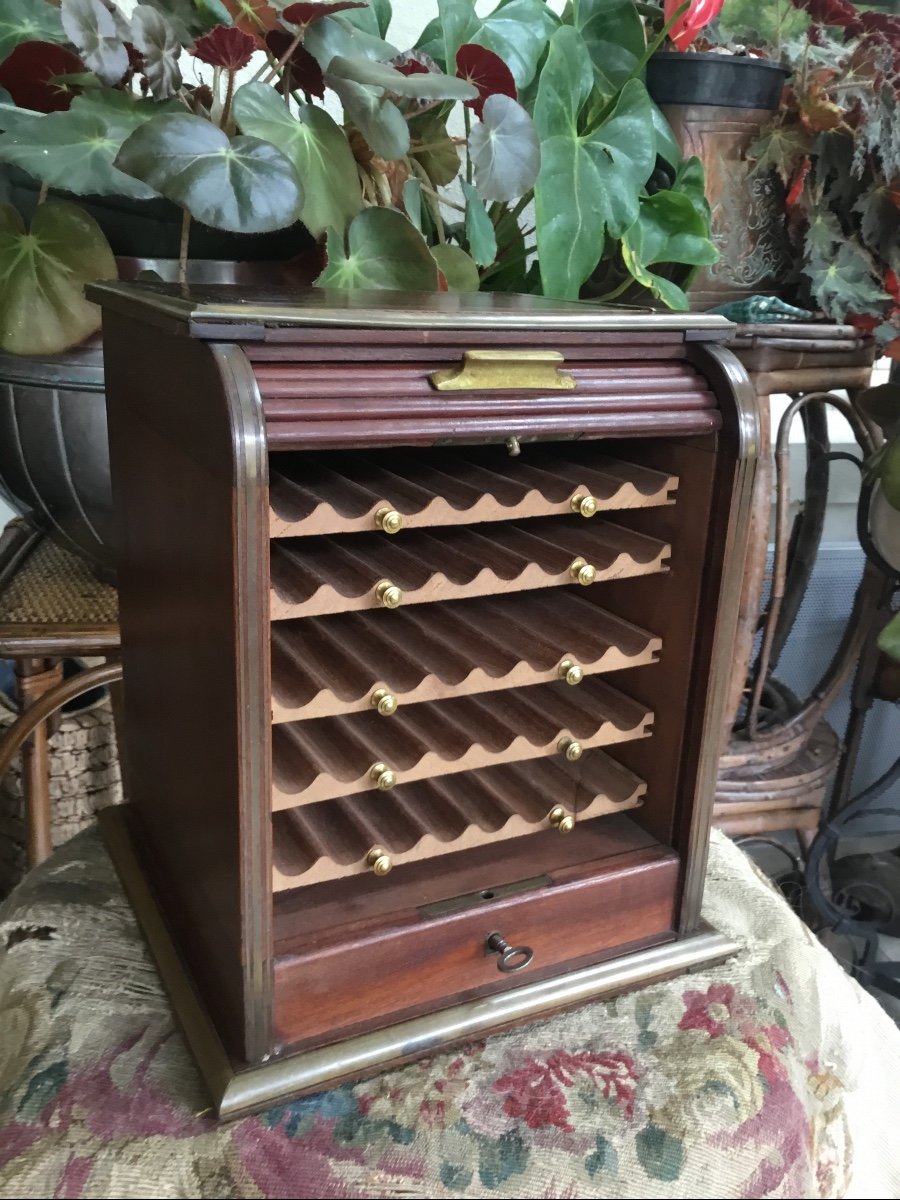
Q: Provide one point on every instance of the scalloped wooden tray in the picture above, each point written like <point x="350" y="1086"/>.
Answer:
<point x="342" y="493"/>
<point x="442" y="816"/>
<point x="314" y="576"/>
<point x="326" y="666"/>
<point x="332" y="757"/>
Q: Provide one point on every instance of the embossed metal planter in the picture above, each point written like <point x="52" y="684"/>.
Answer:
<point x="717" y="105"/>
<point x="54" y="454"/>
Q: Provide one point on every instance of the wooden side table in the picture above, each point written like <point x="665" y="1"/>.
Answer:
<point x="51" y="608"/>
<point x="774" y="775"/>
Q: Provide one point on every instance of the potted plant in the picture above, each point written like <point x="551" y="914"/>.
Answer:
<point x="560" y="165"/>
<point x="718" y="82"/>
<point x="835" y="144"/>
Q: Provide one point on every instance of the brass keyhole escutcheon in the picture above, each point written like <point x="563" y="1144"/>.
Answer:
<point x="379" y="861"/>
<point x="389" y="520"/>
<point x="388" y="593"/>
<point x="384" y="702"/>
<point x="570" y="671"/>
<point x="571" y="749"/>
<point x="585" y="506"/>
<point x="383" y="777"/>
<point x="560" y="819"/>
<point x="512" y="958"/>
<point x="582" y="572"/>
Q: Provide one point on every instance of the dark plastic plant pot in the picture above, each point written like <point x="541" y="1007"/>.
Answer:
<point x="152" y="228"/>
<point x="718" y="80"/>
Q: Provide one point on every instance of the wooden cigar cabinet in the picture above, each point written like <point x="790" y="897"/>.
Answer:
<point x="427" y="606"/>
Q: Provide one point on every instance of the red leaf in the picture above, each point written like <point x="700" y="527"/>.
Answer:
<point x="302" y="70"/>
<point x="225" y="46"/>
<point x="305" y="14"/>
<point x="413" y="62"/>
<point x="487" y="71"/>
<point x="892" y="285"/>
<point x="799" y="180"/>
<point x="253" y="17"/>
<point x="892" y="349"/>
<point x="864" y="322"/>
<point x="27" y="74"/>
<point x="829" y="12"/>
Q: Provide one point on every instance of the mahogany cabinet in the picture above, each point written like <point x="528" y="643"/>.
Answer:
<point x="427" y="608"/>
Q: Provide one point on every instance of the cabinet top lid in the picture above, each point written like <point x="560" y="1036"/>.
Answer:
<point x="206" y="309"/>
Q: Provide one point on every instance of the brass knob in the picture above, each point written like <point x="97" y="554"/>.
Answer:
<point x="560" y="819"/>
<point x="571" y="749"/>
<point x="379" y="860"/>
<point x="586" y="506"/>
<point x="385" y="702"/>
<point x="388" y="593"/>
<point x="384" y="778"/>
<point x="389" y="520"/>
<point x="582" y="572"/>
<point x="570" y="671"/>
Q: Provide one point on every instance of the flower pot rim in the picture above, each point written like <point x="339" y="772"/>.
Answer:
<point x="738" y="60"/>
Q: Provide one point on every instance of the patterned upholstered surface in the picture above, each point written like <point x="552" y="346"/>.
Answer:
<point x="56" y="587"/>
<point x="771" y="1075"/>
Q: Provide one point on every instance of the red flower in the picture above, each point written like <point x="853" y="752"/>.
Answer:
<point x="709" y="1010"/>
<point x="28" y="74"/>
<point x="536" y="1094"/>
<point x="487" y="71"/>
<point x="301" y="68"/>
<point x="698" y="15"/>
<point x="305" y="14"/>
<point x="225" y="46"/>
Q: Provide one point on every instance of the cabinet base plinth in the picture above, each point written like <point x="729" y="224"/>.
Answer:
<point x="237" y="1090"/>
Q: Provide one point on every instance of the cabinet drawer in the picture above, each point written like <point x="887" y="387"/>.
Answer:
<point x="427" y="958"/>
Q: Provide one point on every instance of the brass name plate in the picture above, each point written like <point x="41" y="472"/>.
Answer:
<point x="506" y="371"/>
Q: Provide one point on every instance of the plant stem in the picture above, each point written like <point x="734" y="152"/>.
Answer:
<point x="183" y="250"/>
<point x="42" y="194"/>
<point x="274" y="69"/>
<point x="617" y="291"/>
<point x="229" y="96"/>
<point x="442" y="199"/>
<point x="467" y="117"/>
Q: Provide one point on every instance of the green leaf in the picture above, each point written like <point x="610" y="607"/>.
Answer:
<point x="332" y="37"/>
<point x="74" y="151"/>
<point x="240" y="184"/>
<point x="42" y="276"/>
<point x="441" y="160"/>
<point x="668" y="230"/>
<point x="880" y="224"/>
<point x="846" y="283"/>
<point x="614" y="35"/>
<point x="667" y="147"/>
<point x="590" y="183"/>
<point x="374" y="20"/>
<point x="418" y="87"/>
<point x="889" y="638"/>
<point x="99" y="34"/>
<point x="517" y="30"/>
<point x="458" y="268"/>
<point x="659" y="1153"/>
<point x="376" y="117"/>
<point x="28" y="21"/>
<point x="505" y="151"/>
<point x="384" y="250"/>
<point x="690" y="181"/>
<point x="317" y="147"/>
<point x="412" y="201"/>
<point x="479" y="228"/>
<point x="155" y="38"/>
<point x="881" y="404"/>
<point x="780" y="149"/>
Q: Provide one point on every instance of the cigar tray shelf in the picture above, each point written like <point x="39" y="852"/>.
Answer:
<point x="427" y="607"/>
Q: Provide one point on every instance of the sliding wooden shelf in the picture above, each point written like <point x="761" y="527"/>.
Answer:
<point x="399" y="773"/>
<point x="355" y="493"/>
<point x="314" y="576"/>
<point x="439" y="816"/>
<point x="324" y="759"/>
<point x="326" y="666"/>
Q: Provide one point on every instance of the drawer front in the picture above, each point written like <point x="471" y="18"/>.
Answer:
<point x="428" y="961"/>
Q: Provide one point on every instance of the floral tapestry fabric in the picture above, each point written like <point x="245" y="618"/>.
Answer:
<point x="771" y="1075"/>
